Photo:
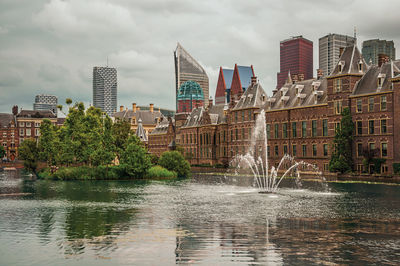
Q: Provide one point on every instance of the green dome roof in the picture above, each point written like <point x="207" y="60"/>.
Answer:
<point x="190" y="90"/>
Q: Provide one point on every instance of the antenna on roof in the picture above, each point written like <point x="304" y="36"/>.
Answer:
<point x="107" y="60"/>
<point x="355" y="32"/>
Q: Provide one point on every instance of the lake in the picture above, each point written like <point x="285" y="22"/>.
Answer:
<point x="206" y="220"/>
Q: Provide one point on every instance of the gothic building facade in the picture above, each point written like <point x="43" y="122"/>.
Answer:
<point x="302" y="117"/>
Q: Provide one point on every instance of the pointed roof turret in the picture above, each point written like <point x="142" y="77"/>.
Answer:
<point x="140" y="132"/>
<point x="289" y="79"/>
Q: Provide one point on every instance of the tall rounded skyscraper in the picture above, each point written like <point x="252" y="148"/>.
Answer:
<point x="188" y="69"/>
<point x="105" y="89"/>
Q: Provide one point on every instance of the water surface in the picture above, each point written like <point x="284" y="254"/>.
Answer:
<point x="208" y="220"/>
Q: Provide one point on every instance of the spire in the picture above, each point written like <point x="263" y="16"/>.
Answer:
<point x="140" y="132"/>
<point x="289" y="79"/>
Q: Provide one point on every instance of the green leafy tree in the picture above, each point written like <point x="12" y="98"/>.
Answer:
<point x="29" y="152"/>
<point x="48" y="142"/>
<point x="2" y="152"/>
<point x="341" y="160"/>
<point x="120" y="131"/>
<point x="174" y="161"/>
<point x="68" y="101"/>
<point x="135" y="158"/>
<point x="76" y="135"/>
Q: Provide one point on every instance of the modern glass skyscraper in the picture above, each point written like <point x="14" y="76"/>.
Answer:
<point x="187" y="68"/>
<point x="105" y="89"/>
<point x="372" y="48"/>
<point x="329" y="50"/>
<point x="44" y="102"/>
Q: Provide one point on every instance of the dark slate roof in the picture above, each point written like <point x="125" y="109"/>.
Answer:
<point x="303" y="93"/>
<point x="228" y="74"/>
<point x="216" y="113"/>
<point x="245" y="74"/>
<point x="162" y="127"/>
<point x="254" y="96"/>
<point x="148" y="118"/>
<point x="349" y="60"/>
<point x="194" y="118"/>
<point x="36" y="114"/>
<point x="369" y="82"/>
<point x="6" y="119"/>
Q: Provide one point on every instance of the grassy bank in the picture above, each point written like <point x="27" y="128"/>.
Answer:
<point x="115" y="172"/>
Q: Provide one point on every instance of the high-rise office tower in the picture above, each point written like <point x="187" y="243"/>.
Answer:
<point x="44" y="102"/>
<point x="105" y="89"/>
<point x="188" y="69"/>
<point x="329" y="50"/>
<point x="371" y="50"/>
<point x="296" y="56"/>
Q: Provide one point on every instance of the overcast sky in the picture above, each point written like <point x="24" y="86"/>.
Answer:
<point x="51" y="46"/>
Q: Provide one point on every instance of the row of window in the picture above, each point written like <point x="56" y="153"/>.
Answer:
<point x="371" y="127"/>
<point x="371" y="104"/>
<point x="338" y="107"/>
<point x="249" y="116"/>
<point x="28" y="132"/>
<point x="303" y="153"/>
<point x="28" y="124"/>
<point x="303" y="130"/>
<point x="372" y="148"/>
<point x="12" y="145"/>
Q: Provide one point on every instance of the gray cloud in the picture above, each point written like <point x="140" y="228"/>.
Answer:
<point x="51" y="46"/>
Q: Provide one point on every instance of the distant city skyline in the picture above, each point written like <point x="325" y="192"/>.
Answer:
<point x="53" y="45"/>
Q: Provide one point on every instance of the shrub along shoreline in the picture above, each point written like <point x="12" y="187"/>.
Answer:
<point x="114" y="172"/>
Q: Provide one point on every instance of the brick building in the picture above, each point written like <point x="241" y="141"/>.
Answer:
<point x="302" y="117"/>
<point x="9" y="134"/>
<point x="162" y="138"/>
<point x="29" y="121"/>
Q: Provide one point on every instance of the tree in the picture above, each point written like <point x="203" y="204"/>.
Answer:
<point x="68" y="101"/>
<point x="2" y="152"/>
<point x="29" y="152"/>
<point x="341" y="160"/>
<point x="135" y="158"/>
<point x="47" y="143"/>
<point x="174" y="161"/>
<point x="120" y="132"/>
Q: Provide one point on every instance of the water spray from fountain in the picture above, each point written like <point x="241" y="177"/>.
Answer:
<point x="267" y="178"/>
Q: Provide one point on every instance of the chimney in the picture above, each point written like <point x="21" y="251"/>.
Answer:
<point x="320" y="73"/>
<point x="295" y="78"/>
<point x="15" y="110"/>
<point x="253" y="80"/>
<point x="382" y="58"/>
<point x="151" y="107"/>
<point x="301" y="77"/>
<point x="134" y="107"/>
<point x="121" y="108"/>
<point x="341" y="49"/>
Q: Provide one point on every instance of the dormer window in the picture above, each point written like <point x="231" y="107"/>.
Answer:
<point x="360" y="66"/>
<point x="381" y="79"/>
<point x="341" y="66"/>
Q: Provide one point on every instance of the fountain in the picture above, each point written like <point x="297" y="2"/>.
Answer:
<point x="266" y="177"/>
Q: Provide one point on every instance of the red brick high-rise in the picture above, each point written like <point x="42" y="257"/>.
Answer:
<point x="297" y="57"/>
